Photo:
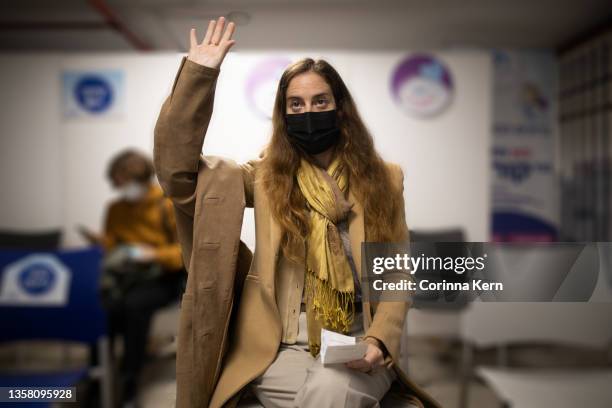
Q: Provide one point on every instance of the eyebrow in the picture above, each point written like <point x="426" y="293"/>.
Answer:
<point x="315" y="96"/>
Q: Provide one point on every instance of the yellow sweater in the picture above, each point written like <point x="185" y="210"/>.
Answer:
<point x="142" y="222"/>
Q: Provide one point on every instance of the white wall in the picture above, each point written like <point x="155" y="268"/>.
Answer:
<point x="30" y="177"/>
<point x="53" y="170"/>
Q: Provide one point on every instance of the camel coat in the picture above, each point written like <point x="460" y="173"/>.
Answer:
<point x="224" y="341"/>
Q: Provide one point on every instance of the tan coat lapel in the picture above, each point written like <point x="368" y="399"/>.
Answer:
<point x="275" y="236"/>
<point x="275" y="240"/>
<point x="356" y="230"/>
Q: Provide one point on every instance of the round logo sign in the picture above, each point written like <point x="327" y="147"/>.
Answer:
<point x="93" y="94"/>
<point x="37" y="278"/>
<point x="422" y="85"/>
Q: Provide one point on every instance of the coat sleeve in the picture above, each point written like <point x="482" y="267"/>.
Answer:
<point x="169" y="254"/>
<point x="179" y="135"/>
<point x="388" y="320"/>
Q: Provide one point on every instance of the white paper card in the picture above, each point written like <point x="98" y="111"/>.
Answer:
<point x="337" y="348"/>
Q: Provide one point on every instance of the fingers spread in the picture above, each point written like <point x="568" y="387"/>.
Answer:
<point x="227" y="47"/>
<point x="193" y="40"/>
<point x="229" y="31"/>
<point x="218" y="31"/>
<point x="209" y="32"/>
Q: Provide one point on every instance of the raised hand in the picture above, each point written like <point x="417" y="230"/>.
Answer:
<point x="211" y="51"/>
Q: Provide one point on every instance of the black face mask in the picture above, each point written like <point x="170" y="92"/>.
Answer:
<point x="313" y="132"/>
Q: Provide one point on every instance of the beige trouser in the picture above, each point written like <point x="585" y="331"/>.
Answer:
<point x="296" y="379"/>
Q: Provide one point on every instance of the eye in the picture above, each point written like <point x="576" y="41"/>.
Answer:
<point x="321" y="101"/>
<point x="295" y="105"/>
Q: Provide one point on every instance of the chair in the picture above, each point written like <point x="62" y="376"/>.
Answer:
<point x="529" y="389"/>
<point x="34" y="241"/>
<point x="586" y="325"/>
<point x="427" y="318"/>
<point x="438" y="243"/>
<point x="164" y="326"/>
<point x="534" y="274"/>
<point x="54" y="296"/>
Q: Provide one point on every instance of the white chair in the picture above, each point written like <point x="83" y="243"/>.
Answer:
<point x="498" y="325"/>
<point x="536" y="389"/>
<point x="428" y="323"/>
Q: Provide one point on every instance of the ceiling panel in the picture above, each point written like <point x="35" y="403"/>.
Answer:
<point x="346" y="24"/>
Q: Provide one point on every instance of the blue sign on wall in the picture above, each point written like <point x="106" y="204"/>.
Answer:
<point x="93" y="93"/>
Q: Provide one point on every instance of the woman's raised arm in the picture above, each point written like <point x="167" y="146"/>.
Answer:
<point x="186" y="113"/>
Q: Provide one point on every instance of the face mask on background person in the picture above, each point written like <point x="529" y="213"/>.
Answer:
<point x="313" y="132"/>
<point x="132" y="191"/>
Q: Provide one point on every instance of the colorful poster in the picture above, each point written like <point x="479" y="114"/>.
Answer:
<point x="525" y="191"/>
<point x="422" y="86"/>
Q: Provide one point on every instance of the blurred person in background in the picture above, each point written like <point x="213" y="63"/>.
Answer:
<point x="143" y="263"/>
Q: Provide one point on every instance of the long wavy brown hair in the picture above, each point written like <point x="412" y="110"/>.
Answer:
<point x="369" y="179"/>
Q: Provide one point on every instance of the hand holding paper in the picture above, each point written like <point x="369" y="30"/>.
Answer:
<point x="337" y="348"/>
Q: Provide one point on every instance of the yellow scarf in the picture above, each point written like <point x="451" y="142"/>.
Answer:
<point x="329" y="285"/>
